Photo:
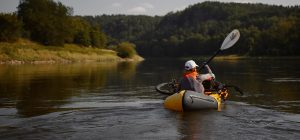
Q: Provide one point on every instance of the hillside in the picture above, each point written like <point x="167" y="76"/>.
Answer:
<point x="266" y="30"/>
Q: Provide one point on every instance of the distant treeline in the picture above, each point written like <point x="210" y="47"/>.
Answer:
<point x="198" y="30"/>
<point x="201" y="28"/>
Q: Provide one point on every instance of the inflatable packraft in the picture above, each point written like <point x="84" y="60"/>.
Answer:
<point x="191" y="100"/>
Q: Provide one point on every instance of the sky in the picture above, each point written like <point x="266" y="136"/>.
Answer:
<point x="134" y="7"/>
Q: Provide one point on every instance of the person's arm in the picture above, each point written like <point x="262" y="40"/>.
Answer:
<point x="208" y="76"/>
<point x="210" y="72"/>
<point x="203" y="77"/>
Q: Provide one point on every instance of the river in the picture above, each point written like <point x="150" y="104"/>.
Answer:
<point x="118" y="101"/>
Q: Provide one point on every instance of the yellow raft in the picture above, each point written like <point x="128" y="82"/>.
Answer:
<point x="191" y="100"/>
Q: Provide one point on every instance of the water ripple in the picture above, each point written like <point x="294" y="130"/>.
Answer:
<point x="285" y="79"/>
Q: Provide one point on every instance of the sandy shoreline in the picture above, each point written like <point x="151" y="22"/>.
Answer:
<point x="18" y="62"/>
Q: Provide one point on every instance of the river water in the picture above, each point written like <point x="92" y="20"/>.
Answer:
<point x="118" y="101"/>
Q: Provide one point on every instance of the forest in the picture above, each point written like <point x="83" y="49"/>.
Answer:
<point x="266" y="30"/>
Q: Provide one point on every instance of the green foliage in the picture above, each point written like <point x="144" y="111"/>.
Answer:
<point x="81" y="31"/>
<point x="265" y="30"/>
<point x="86" y="34"/>
<point x="46" y="20"/>
<point x="126" y="50"/>
<point x="124" y="28"/>
<point x="201" y="28"/>
<point x="197" y="30"/>
<point x="98" y="39"/>
<point x="51" y="23"/>
<point x="10" y="27"/>
<point x="82" y="38"/>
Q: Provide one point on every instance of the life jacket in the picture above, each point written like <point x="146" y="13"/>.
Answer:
<point x="189" y="82"/>
<point x="193" y="74"/>
<point x="207" y="84"/>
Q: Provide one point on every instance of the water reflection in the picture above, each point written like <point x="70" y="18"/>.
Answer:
<point x="266" y="82"/>
<point x="40" y="89"/>
<point x="193" y="124"/>
<point x="239" y="121"/>
<point x="36" y="90"/>
<point x="118" y="101"/>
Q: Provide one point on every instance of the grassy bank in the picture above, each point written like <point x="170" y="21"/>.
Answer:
<point x="24" y="51"/>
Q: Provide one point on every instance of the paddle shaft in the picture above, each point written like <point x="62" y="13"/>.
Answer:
<point x="211" y="58"/>
<point x="228" y="42"/>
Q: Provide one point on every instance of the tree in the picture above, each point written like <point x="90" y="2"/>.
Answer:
<point x="46" y="20"/>
<point x="98" y="39"/>
<point x="126" y="50"/>
<point x="81" y="31"/>
<point x="10" y="27"/>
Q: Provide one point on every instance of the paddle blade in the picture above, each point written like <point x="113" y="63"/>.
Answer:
<point x="230" y="40"/>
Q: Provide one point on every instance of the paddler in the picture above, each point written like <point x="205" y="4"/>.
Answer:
<point x="192" y="80"/>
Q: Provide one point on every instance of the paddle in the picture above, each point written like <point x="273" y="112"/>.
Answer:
<point x="228" y="42"/>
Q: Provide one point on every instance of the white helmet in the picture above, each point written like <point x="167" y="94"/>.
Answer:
<point x="190" y="65"/>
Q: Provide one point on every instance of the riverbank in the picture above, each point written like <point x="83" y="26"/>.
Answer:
<point x="25" y="51"/>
